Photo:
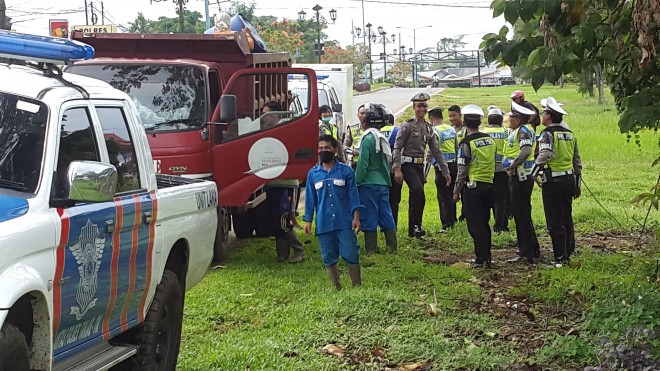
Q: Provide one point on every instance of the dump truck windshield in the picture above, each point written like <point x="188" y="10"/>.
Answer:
<point x="168" y="97"/>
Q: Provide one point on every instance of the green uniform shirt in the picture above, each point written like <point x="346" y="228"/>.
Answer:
<point x="563" y="146"/>
<point x="447" y="141"/>
<point x="372" y="167"/>
<point x="520" y="137"/>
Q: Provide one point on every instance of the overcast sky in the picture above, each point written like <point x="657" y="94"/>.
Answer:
<point x="448" y="17"/>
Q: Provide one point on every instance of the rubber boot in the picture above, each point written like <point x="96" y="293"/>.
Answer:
<point x="354" y="272"/>
<point x="296" y="245"/>
<point x="391" y="240"/>
<point x="333" y="274"/>
<point x="371" y="242"/>
<point x="282" y="248"/>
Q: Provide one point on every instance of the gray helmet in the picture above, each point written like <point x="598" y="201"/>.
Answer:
<point x="420" y="97"/>
<point x="375" y="115"/>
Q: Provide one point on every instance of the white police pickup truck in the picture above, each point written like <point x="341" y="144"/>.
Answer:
<point x="96" y="250"/>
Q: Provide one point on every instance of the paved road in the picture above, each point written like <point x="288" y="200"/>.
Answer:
<point x="396" y="99"/>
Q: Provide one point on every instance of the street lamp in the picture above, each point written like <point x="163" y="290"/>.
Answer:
<point x="356" y="31"/>
<point x="414" y="49"/>
<point x="385" y="40"/>
<point x="370" y="36"/>
<point x="317" y="8"/>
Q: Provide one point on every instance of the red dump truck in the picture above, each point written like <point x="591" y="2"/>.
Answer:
<point x="200" y="98"/>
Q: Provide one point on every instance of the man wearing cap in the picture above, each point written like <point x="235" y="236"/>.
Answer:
<point x="390" y="131"/>
<point x="560" y="168"/>
<point x="518" y="160"/>
<point x="409" y="148"/>
<point x="447" y="141"/>
<point x="476" y="169"/>
<point x="501" y="180"/>
<point x="518" y="97"/>
<point x="544" y="104"/>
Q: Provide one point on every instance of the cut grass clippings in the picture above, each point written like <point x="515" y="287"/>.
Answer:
<point x="423" y="308"/>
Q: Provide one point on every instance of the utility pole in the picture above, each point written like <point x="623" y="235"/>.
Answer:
<point x="86" y="15"/>
<point x="3" y="18"/>
<point x="181" y="4"/>
<point x="102" y="14"/>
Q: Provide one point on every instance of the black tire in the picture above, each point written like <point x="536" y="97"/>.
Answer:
<point x="221" y="245"/>
<point x="159" y="337"/>
<point x="14" y="351"/>
<point x="243" y="225"/>
<point x="262" y="226"/>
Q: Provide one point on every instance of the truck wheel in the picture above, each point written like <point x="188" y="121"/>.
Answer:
<point x="221" y="246"/>
<point x="15" y="354"/>
<point x="159" y="337"/>
<point x="261" y="222"/>
<point x="243" y="226"/>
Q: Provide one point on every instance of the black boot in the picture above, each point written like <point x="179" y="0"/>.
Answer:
<point x="391" y="240"/>
<point x="354" y="272"/>
<point x="282" y="248"/>
<point x="333" y="274"/>
<point x="296" y="245"/>
<point x="371" y="242"/>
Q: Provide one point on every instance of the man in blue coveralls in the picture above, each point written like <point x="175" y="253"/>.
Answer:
<point x="331" y="192"/>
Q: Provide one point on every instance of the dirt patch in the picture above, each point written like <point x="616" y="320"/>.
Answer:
<point x="617" y="241"/>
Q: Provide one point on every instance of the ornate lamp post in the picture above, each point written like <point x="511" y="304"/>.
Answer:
<point x="370" y="35"/>
<point x="385" y="40"/>
<point x="317" y="8"/>
<point x="414" y="50"/>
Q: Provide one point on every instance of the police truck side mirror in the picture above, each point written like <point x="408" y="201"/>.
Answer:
<point x="90" y="181"/>
<point x="337" y="107"/>
<point x="227" y="108"/>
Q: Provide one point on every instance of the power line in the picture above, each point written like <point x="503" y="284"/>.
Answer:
<point x="425" y="4"/>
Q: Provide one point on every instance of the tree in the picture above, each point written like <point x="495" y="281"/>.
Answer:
<point x="447" y="44"/>
<point x="141" y="24"/>
<point x="281" y="37"/>
<point x="357" y="55"/>
<point x="192" y="23"/>
<point x="399" y="71"/>
<point x="567" y="37"/>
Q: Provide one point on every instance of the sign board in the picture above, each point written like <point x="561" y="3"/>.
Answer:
<point x="59" y="27"/>
<point x="103" y="28"/>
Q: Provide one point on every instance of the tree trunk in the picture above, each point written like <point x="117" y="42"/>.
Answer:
<point x="600" y="84"/>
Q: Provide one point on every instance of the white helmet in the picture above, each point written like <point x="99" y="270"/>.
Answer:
<point x="552" y="104"/>
<point x="472" y="109"/>
<point x="494" y="110"/>
<point x="515" y="107"/>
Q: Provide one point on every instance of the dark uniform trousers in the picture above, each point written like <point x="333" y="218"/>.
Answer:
<point x="502" y="200"/>
<point x="477" y="202"/>
<point x="521" y="208"/>
<point x="558" y="205"/>
<point x="446" y="204"/>
<point x="395" y="198"/>
<point x="413" y="174"/>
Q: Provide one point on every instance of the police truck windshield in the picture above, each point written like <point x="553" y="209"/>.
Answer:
<point x="168" y="97"/>
<point x="302" y="93"/>
<point x="22" y="135"/>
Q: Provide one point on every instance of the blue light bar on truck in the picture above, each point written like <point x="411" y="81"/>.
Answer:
<point x="42" y="48"/>
<point x="304" y="77"/>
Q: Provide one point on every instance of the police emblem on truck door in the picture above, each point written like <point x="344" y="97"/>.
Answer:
<point x="88" y="253"/>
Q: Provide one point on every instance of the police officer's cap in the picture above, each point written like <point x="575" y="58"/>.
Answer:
<point x="472" y="109"/>
<point x="435" y="109"/>
<point x="420" y="97"/>
<point x="515" y="107"/>
<point x="494" y="111"/>
<point x="552" y="104"/>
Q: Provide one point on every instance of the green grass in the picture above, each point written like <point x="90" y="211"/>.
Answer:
<point x="257" y="314"/>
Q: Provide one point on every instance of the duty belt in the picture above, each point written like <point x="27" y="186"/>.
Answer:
<point x="414" y="160"/>
<point x="556" y="174"/>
